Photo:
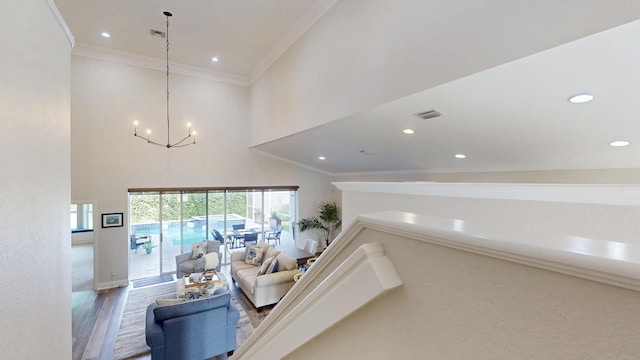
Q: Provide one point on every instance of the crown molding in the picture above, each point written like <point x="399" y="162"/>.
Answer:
<point x="295" y="163"/>
<point x="122" y="57"/>
<point x="308" y="19"/>
<point x="625" y="195"/>
<point x="63" y="24"/>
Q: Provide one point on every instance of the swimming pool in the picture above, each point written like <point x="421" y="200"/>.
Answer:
<point x="193" y="230"/>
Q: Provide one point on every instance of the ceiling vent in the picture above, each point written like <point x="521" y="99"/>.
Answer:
<point x="429" y="114"/>
<point x="159" y="33"/>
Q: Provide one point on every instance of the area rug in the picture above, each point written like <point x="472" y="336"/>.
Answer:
<point x="152" y="280"/>
<point x="131" y="339"/>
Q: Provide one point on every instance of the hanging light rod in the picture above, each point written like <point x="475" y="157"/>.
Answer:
<point x="190" y="134"/>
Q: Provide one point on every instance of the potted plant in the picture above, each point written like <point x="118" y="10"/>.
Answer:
<point x="328" y="221"/>
<point x="274" y="220"/>
<point x="148" y="246"/>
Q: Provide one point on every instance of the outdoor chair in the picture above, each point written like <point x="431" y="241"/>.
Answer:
<point x="275" y="235"/>
<point x="237" y="239"/>
<point x="217" y="236"/>
<point x="250" y="238"/>
<point x="238" y="226"/>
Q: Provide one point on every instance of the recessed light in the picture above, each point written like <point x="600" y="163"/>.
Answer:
<point x="215" y="59"/>
<point x="580" y="98"/>
<point x="321" y="158"/>
<point x="460" y="156"/>
<point x="408" y="131"/>
<point x="106" y="35"/>
<point x="619" y="143"/>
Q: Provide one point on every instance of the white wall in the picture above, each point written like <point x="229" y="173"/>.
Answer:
<point x="585" y="176"/>
<point x="107" y="159"/>
<point x="539" y="209"/>
<point x="364" y="53"/>
<point x="34" y="184"/>
<point x="455" y="304"/>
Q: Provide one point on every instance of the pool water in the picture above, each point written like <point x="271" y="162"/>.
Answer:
<point x="193" y="230"/>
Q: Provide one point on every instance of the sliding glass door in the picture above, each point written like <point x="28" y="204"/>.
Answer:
<point x="144" y="234"/>
<point x="166" y="222"/>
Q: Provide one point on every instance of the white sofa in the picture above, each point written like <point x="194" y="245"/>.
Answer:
<point x="265" y="289"/>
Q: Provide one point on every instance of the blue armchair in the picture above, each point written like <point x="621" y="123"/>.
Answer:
<point x="195" y="329"/>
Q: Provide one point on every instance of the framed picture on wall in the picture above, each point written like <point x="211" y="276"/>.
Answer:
<point x="111" y="220"/>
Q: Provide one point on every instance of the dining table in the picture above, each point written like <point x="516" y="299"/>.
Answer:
<point x="300" y="255"/>
<point x="236" y="237"/>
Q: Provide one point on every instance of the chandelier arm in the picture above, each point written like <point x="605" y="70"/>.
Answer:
<point x="149" y="140"/>
<point x="183" y="145"/>
<point x="180" y="143"/>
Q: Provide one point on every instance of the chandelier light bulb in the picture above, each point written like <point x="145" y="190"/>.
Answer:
<point x="135" y="123"/>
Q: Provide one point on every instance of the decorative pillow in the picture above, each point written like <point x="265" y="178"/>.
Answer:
<point x="199" y="249"/>
<point x="163" y="302"/>
<point x="162" y="313"/>
<point x="211" y="261"/>
<point x="265" y="265"/>
<point x="197" y="292"/>
<point x="254" y="255"/>
<point x="286" y="262"/>
<point x="273" y="267"/>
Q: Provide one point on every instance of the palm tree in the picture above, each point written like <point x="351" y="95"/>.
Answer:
<point x="328" y="221"/>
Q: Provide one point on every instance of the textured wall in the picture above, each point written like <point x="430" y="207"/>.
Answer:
<point x="34" y="184"/>
<point x="458" y="305"/>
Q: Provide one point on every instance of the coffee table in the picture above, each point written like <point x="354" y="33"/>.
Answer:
<point x="209" y="280"/>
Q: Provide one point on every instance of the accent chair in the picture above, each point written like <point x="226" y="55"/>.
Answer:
<point x="193" y="329"/>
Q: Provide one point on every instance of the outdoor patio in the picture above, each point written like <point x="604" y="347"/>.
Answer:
<point x="143" y="265"/>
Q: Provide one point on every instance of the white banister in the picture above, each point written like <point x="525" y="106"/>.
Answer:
<point x="604" y="261"/>
<point x="366" y="274"/>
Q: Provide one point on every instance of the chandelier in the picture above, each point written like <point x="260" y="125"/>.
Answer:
<point x="183" y="142"/>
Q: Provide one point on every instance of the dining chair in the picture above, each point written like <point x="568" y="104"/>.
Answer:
<point x="251" y="238"/>
<point x="275" y="235"/>
<point x="238" y="226"/>
<point x="237" y="239"/>
<point x="310" y="246"/>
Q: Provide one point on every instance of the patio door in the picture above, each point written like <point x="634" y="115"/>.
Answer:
<point x="144" y="235"/>
<point x="170" y="221"/>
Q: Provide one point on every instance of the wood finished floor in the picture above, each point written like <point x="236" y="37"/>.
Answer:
<point x="96" y="319"/>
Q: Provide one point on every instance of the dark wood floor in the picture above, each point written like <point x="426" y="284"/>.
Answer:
<point x="96" y="319"/>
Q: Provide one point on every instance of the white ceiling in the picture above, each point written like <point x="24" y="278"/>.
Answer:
<point x="242" y="34"/>
<point x="511" y="117"/>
